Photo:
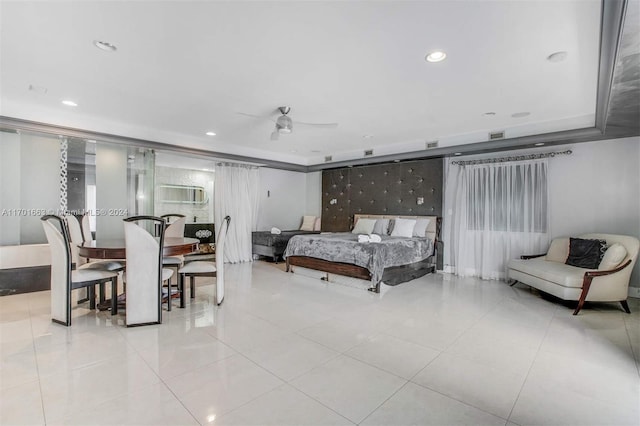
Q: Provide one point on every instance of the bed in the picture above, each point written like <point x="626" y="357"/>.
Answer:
<point x="393" y="261"/>
<point x="273" y="245"/>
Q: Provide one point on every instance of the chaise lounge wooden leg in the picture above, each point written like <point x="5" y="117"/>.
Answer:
<point x="586" y="284"/>
<point x="513" y="282"/>
<point x="625" y="306"/>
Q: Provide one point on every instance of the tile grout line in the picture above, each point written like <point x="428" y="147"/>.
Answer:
<point x="524" y="382"/>
<point x="636" y="355"/>
<point x="285" y="382"/>
<point x="35" y="354"/>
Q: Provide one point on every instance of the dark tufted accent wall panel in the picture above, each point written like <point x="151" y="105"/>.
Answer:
<point x="392" y="188"/>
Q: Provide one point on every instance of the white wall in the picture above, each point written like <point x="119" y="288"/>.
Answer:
<point x="9" y="188"/>
<point x="596" y="189"/>
<point x="39" y="183"/>
<point x="283" y="199"/>
<point x="111" y="190"/>
<point x="314" y="193"/>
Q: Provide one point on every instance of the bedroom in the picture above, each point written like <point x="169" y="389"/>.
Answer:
<point x="285" y="348"/>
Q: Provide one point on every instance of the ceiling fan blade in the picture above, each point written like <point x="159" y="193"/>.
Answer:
<point x="262" y="117"/>
<point x="275" y="135"/>
<point x="325" y="125"/>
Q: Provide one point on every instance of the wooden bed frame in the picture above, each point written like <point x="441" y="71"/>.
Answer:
<point x="414" y="270"/>
<point x="273" y="251"/>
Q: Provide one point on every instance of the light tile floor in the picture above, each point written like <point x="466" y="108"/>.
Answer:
<point x="287" y="349"/>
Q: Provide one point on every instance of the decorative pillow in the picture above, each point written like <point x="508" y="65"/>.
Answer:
<point x="614" y="255"/>
<point x="381" y="227"/>
<point x="307" y="223"/>
<point x="317" y="224"/>
<point x="364" y="226"/>
<point x="420" y="230"/>
<point x="403" y="228"/>
<point x="392" y="223"/>
<point x="558" y="250"/>
<point x="585" y="253"/>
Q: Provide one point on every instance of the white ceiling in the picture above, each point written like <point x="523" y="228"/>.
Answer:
<point x="183" y="68"/>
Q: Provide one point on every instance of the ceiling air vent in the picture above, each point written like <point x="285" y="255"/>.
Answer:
<point x="327" y="158"/>
<point x="496" y="135"/>
<point x="368" y="153"/>
<point x="433" y="144"/>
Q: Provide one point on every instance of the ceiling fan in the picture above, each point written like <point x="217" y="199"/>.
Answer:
<point x="284" y="123"/>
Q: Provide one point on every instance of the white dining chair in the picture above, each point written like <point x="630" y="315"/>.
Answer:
<point x="201" y="268"/>
<point x="77" y="235"/>
<point x="174" y="229"/>
<point x="80" y="235"/>
<point x="63" y="278"/>
<point x="144" y="272"/>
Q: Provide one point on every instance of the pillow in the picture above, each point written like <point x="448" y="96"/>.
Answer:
<point x="381" y="227"/>
<point x="585" y="253"/>
<point x="307" y="223"/>
<point x="364" y="226"/>
<point x="613" y="257"/>
<point x="558" y="250"/>
<point x="420" y="230"/>
<point x="317" y="225"/>
<point x="403" y="228"/>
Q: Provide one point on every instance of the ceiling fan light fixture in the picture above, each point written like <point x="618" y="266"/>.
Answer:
<point x="284" y="124"/>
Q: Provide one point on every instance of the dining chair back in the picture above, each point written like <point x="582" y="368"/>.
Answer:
<point x="175" y="227"/>
<point x="202" y="268"/>
<point x="86" y="227"/>
<point x="222" y="236"/>
<point x="75" y="235"/>
<point x="81" y="235"/>
<point x="144" y="273"/>
<point x="63" y="278"/>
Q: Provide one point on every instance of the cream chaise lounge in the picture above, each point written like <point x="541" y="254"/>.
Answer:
<point x="608" y="283"/>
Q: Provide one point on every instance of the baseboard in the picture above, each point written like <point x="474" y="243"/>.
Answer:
<point x="634" y="292"/>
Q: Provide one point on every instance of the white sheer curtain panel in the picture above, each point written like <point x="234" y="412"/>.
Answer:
<point x="236" y="195"/>
<point x="500" y="211"/>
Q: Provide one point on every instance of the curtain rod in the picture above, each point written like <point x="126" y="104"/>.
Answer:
<point x="239" y="165"/>
<point x="512" y="158"/>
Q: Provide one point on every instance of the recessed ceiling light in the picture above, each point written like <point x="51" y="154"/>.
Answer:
<point x="538" y="144"/>
<point x="488" y="114"/>
<point x="69" y="103"/>
<point x="210" y="134"/>
<point x="557" y="56"/>
<point x="367" y="136"/>
<point x="315" y="151"/>
<point x="457" y="153"/>
<point x="436" y="56"/>
<point x="106" y="46"/>
<point x="520" y="114"/>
